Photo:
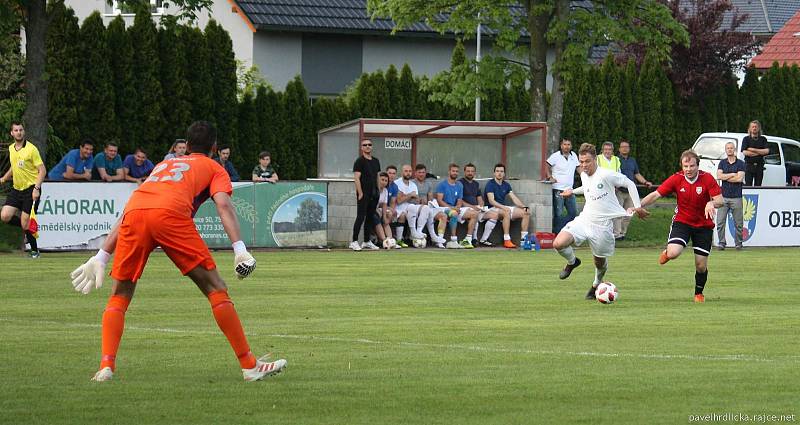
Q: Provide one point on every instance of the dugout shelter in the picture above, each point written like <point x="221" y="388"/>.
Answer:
<point x="521" y="146"/>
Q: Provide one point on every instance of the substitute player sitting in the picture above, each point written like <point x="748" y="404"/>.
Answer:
<point x="595" y="221"/>
<point x="159" y="213"/>
<point x="450" y="194"/>
<point x="699" y="196"/>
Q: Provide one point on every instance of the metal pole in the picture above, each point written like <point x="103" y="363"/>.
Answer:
<point x="477" y="60"/>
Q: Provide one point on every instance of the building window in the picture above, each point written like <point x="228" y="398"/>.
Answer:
<point x="117" y="8"/>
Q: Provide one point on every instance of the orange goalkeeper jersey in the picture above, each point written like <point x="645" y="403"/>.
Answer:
<point x="181" y="184"/>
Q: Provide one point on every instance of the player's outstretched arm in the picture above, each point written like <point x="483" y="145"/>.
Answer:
<point x="243" y="262"/>
<point x="91" y="273"/>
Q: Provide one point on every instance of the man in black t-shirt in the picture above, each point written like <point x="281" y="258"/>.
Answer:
<point x="365" y="177"/>
<point x="754" y="147"/>
<point x="731" y="172"/>
<point x="472" y="198"/>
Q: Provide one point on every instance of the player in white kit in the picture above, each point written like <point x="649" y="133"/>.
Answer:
<point x="594" y="223"/>
<point x="407" y="207"/>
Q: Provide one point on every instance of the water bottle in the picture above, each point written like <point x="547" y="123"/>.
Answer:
<point x="537" y="246"/>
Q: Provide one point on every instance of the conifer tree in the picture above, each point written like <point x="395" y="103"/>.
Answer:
<point x="408" y="94"/>
<point x="65" y="72"/>
<point x="393" y="92"/>
<point x="96" y="114"/>
<point x="222" y="69"/>
<point x="269" y="113"/>
<point x="196" y="54"/>
<point x="612" y="86"/>
<point x="750" y="98"/>
<point x="629" y="84"/>
<point x="297" y="133"/>
<point x="175" y="87"/>
<point x="146" y="68"/>
<point x="249" y="138"/>
<point x="120" y="53"/>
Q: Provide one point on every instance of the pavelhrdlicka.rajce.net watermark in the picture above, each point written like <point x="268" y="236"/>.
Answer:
<point x="759" y="418"/>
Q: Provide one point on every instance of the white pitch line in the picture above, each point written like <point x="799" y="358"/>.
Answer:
<point x="455" y="347"/>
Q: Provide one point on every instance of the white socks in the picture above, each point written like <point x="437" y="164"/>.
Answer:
<point x="487" y="229"/>
<point x="569" y="254"/>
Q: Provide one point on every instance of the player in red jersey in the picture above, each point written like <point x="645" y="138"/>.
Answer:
<point x="159" y="213"/>
<point x="699" y="196"/>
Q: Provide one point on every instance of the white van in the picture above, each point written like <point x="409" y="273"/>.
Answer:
<point x="782" y="163"/>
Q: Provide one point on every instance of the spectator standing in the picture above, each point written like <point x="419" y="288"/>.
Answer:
<point x="264" y="171"/>
<point x="607" y="159"/>
<point x="136" y="167"/>
<point x="561" y="168"/>
<point x="27" y="173"/>
<point x="75" y="165"/>
<point x="177" y="150"/>
<point x="630" y="168"/>
<point x="754" y="147"/>
<point x="224" y="160"/>
<point x="365" y="178"/>
<point x="108" y="165"/>
<point x="731" y="171"/>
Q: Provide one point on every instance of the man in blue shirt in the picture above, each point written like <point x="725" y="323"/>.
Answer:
<point x="108" y="165"/>
<point x="731" y="171"/>
<point x="496" y="192"/>
<point x="630" y="169"/>
<point x="473" y="199"/>
<point x="450" y="194"/>
<point x="137" y="167"/>
<point x="75" y="165"/>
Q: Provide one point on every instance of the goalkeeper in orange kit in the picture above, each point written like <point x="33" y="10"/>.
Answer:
<point x="159" y="213"/>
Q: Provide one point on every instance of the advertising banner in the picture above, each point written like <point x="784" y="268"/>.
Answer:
<point x="290" y="214"/>
<point x="75" y="216"/>
<point x="771" y="218"/>
<point x="79" y="215"/>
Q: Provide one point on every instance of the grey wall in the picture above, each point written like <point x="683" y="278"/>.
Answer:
<point x="330" y="62"/>
<point x="279" y="56"/>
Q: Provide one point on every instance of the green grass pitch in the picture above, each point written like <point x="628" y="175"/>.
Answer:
<point x="411" y="336"/>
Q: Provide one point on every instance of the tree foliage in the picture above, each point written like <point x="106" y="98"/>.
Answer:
<point x="97" y="116"/>
<point x="550" y="24"/>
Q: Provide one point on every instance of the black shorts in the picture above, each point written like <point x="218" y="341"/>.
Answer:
<point x="701" y="237"/>
<point x="21" y="199"/>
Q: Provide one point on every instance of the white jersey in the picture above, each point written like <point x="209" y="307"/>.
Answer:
<point x="383" y="198"/>
<point x="599" y="189"/>
<point x="405" y="189"/>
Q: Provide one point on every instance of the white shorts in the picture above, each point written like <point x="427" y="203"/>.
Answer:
<point x="461" y="213"/>
<point x="402" y="208"/>
<point x="600" y="235"/>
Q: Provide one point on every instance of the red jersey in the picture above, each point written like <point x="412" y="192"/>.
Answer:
<point x="692" y="197"/>
<point x="181" y="185"/>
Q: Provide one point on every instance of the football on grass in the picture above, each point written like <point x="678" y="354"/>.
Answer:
<point x="606" y="293"/>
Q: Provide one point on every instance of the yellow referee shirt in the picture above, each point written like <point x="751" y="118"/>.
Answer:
<point x="24" y="164"/>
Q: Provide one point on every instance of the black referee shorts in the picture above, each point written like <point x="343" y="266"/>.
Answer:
<point x="701" y="237"/>
<point x="21" y="199"/>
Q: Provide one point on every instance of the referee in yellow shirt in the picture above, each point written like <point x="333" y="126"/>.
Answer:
<point x="28" y="173"/>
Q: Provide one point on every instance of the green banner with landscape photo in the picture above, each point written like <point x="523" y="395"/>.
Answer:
<point x="285" y="214"/>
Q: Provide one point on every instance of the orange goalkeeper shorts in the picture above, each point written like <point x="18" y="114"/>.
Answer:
<point x="141" y="231"/>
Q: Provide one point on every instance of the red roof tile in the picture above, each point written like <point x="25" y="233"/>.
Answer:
<point x="783" y="48"/>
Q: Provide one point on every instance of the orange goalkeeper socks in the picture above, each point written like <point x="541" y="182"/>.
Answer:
<point x="113" y="325"/>
<point x="229" y="324"/>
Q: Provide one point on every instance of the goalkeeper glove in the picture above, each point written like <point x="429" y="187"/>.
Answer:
<point x="243" y="262"/>
<point x="90" y="273"/>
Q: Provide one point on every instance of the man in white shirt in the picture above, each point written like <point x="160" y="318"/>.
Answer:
<point x="595" y="221"/>
<point x="408" y="208"/>
<point x="561" y="168"/>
